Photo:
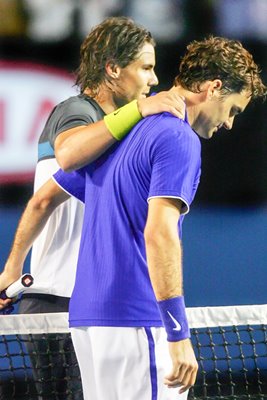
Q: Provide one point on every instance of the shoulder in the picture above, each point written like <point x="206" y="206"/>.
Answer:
<point x="78" y="105"/>
<point x="167" y="129"/>
<point x="72" y="112"/>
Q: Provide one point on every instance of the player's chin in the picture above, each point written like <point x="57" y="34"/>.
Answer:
<point x="209" y="134"/>
<point x="206" y="135"/>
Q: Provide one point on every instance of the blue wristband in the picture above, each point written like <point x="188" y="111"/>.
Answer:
<point x="174" y="318"/>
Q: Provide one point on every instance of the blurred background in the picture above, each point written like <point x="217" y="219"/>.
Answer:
<point x="225" y="255"/>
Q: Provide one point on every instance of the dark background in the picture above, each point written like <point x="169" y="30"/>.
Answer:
<point x="225" y="233"/>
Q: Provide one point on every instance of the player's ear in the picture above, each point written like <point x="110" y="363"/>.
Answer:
<point x="214" y="88"/>
<point x="112" y="70"/>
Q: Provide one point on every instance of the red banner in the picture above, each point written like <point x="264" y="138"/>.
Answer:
<point x="28" y="93"/>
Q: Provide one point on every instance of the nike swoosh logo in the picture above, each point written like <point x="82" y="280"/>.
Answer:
<point x="116" y="112"/>
<point x="176" y="323"/>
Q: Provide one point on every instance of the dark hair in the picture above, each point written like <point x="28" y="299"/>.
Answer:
<point x="116" y="40"/>
<point x="224" y="59"/>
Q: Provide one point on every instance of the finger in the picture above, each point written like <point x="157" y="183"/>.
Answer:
<point x="4" y="303"/>
<point x="176" y="112"/>
<point x="172" y="376"/>
<point x="184" y="374"/>
<point x="181" y="111"/>
<point x="181" y="116"/>
<point x="172" y="384"/>
<point x="172" y="380"/>
<point x="188" y="380"/>
<point x="184" y="389"/>
<point x="185" y="377"/>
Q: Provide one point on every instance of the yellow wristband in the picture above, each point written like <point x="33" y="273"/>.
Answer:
<point x="120" y="122"/>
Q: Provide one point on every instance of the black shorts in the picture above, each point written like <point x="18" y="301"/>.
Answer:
<point x="34" y="303"/>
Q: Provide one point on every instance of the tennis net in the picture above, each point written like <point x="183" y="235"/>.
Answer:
<point x="37" y="359"/>
<point x="231" y="348"/>
<point x="230" y="344"/>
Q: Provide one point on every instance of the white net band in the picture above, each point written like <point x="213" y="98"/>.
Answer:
<point x="198" y="317"/>
<point x="201" y="317"/>
<point x="24" y="324"/>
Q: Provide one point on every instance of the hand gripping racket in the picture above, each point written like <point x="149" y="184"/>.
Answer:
<point x="17" y="287"/>
<point x="12" y="291"/>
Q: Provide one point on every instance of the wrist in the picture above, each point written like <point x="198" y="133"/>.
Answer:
<point x="174" y="318"/>
<point x="13" y="271"/>
<point x="121" y="121"/>
<point x="140" y="106"/>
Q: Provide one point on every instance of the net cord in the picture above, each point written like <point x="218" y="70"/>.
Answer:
<point x="198" y="317"/>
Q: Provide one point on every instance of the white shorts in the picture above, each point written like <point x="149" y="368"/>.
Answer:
<point x="124" y="363"/>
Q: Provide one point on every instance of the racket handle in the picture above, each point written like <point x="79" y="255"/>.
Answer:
<point x="17" y="287"/>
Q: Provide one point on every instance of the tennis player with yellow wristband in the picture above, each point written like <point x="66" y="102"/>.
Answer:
<point x="116" y="72"/>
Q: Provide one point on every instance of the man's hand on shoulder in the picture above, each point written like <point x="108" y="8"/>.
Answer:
<point x="166" y="101"/>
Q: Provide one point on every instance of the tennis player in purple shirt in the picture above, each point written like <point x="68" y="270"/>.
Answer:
<point x="128" y="295"/>
<point x="113" y="287"/>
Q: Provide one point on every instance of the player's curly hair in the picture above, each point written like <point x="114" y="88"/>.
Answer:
<point x="116" y="40"/>
<point x="224" y="59"/>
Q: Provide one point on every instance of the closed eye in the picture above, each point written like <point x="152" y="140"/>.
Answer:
<point x="235" y="111"/>
<point x="148" y="67"/>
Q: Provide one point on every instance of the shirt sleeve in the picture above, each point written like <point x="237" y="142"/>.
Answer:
<point x="72" y="182"/>
<point x="75" y="114"/>
<point x="176" y="163"/>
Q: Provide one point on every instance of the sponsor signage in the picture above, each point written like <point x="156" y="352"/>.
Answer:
<point x="28" y="93"/>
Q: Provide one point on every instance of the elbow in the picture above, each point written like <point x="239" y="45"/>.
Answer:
<point x="64" y="160"/>
<point x="41" y="204"/>
<point x="158" y="236"/>
<point x="153" y="237"/>
<point x="148" y="236"/>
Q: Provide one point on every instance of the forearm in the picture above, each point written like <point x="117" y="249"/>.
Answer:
<point x="82" y="145"/>
<point x="165" y="270"/>
<point x="32" y="222"/>
<point x="163" y="248"/>
<point x="164" y="257"/>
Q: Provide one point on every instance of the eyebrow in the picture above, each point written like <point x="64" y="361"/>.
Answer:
<point x="148" y="65"/>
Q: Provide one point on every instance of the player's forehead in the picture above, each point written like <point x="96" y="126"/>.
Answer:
<point x="146" y="54"/>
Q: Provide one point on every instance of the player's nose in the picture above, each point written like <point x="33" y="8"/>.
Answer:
<point x="228" y="124"/>
<point x="153" y="81"/>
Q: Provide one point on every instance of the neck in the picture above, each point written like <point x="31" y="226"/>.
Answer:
<point x="104" y="98"/>
<point x="192" y="101"/>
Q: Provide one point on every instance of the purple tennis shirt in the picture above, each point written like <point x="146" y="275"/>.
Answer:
<point x="161" y="157"/>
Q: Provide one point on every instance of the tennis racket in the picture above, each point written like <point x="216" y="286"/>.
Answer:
<point x="17" y="287"/>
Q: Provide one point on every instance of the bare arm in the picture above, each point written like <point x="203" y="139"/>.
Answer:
<point x="164" y="256"/>
<point x="79" y="146"/>
<point x="33" y="220"/>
